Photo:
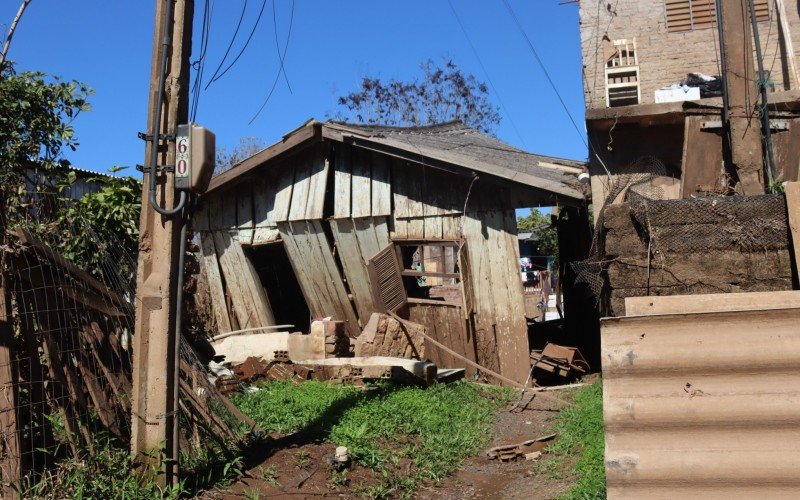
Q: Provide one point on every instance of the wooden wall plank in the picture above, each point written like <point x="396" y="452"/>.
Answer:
<point x="301" y="189"/>
<point x="477" y="256"/>
<point x="244" y="214"/>
<point x="228" y="207"/>
<point x="264" y="191"/>
<point x="318" y="181"/>
<point x="249" y="299"/>
<point x="511" y="328"/>
<point x="215" y="220"/>
<point x="362" y="183"/>
<point x="319" y="278"/>
<point x="451" y="227"/>
<point x="399" y="229"/>
<point x="367" y="239"/>
<point x="381" y="225"/>
<point x="354" y="267"/>
<point x="342" y="182"/>
<point x="381" y="185"/>
<point x="432" y="227"/>
<point x="283" y="191"/>
<point x="211" y="266"/>
<point x="298" y="251"/>
<point x="200" y="217"/>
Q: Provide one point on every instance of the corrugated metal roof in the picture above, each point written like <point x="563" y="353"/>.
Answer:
<point x="703" y="405"/>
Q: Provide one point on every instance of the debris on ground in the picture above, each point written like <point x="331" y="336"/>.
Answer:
<point x="509" y="452"/>
<point x="385" y="336"/>
<point x="560" y="361"/>
<point x="360" y="369"/>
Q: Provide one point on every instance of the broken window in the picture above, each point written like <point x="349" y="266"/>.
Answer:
<point x="687" y="15"/>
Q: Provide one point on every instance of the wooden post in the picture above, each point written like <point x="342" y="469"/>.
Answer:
<point x="154" y="409"/>
<point x="745" y="136"/>
<point x="10" y="461"/>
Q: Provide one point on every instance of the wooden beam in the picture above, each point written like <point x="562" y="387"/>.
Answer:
<point x="10" y="462"/>
<point x="712" y="302"/>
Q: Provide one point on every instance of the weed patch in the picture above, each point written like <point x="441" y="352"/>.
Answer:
<point x="430" y="430"/>
<point x="580" y="431"/>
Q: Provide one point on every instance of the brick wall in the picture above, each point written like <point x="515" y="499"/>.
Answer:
<point x="665" y="58"/>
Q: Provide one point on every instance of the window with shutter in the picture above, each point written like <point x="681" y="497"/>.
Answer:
<point x="421" y="272"/>
<point x="687" y="15"/>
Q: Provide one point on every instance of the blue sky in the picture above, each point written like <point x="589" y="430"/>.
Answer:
<point x="107" y="44"/>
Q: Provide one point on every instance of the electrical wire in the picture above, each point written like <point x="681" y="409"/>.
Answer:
<point x="278" y="47"/>
<point x="246" y="43"/>
<point x="278" y="74"/>
<point x="199" y="65"/>
<point x="230" y="45"/>
<point x="486" y="73"/>
<point x="586" y="143"/>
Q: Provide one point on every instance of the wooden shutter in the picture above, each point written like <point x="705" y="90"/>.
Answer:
<point x="686" y="15"/>
<point x="387" y="280"/>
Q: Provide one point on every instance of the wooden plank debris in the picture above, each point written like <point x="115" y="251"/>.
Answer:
<point x="708" y="303"/>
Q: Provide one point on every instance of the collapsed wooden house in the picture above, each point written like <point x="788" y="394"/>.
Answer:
<point x="289" y="233"/>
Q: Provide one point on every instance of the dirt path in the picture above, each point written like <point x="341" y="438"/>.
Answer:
<point x="299" y="469"/>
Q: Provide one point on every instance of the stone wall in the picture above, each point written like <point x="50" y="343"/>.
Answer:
<point x="664" y="57"/>
<point x="713" y="253"/>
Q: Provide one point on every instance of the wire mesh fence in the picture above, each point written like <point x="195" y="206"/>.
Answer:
<point x="67" y="366"/>
<point x="654" y="245"/>
<point x="66" y="324"/>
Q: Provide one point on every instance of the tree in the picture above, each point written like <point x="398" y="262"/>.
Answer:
<point x="542" y="226"/>
<point x="247" y="147"/>
<point x="36" y="115"/>
<point x="445" y="93"/>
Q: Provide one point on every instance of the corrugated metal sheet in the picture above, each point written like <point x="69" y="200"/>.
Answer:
<point x="703" y="405"/>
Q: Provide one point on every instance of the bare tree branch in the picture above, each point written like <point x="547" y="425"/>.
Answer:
<point x="11" y="31"/>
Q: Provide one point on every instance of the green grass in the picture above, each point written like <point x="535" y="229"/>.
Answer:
<point x="435" y="428"/>
<point x="580" y="433"/>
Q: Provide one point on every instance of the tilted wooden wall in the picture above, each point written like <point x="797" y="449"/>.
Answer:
<point x="333" y="209"/>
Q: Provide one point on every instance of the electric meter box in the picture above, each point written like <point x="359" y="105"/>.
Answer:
<point x="195" y="151"/>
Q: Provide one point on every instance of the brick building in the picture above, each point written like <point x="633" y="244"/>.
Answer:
<point x="634" y="48"/>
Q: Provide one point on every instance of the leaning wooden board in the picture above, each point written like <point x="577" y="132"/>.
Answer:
<point x="793" y="209"/>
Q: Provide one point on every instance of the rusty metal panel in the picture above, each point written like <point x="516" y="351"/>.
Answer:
<point x="702" y="405"/>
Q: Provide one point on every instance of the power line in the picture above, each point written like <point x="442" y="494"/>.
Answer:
<point x="200" y="64"/>
<point x="246" y="43"/>
<point x="278" y="74"/>
<point x="552" y="84"/>
<point x="230" y="45"/>
<point x="486" y="73"/>
<point x="278" y="47"/>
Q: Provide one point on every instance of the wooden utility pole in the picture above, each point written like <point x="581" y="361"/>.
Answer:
<point x="154" y="411"/>
<point x="745" y="155"/>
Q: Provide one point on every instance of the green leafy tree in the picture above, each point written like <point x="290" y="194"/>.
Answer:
<point x="542" y="225"/>
<point x="36" y="115"/>
<point x="36" y="127"/>
<point x="444" y="93"/>
<point x="107" y="219"/>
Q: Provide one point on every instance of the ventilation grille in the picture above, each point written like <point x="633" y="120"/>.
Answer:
<point x="387" y="281"/>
